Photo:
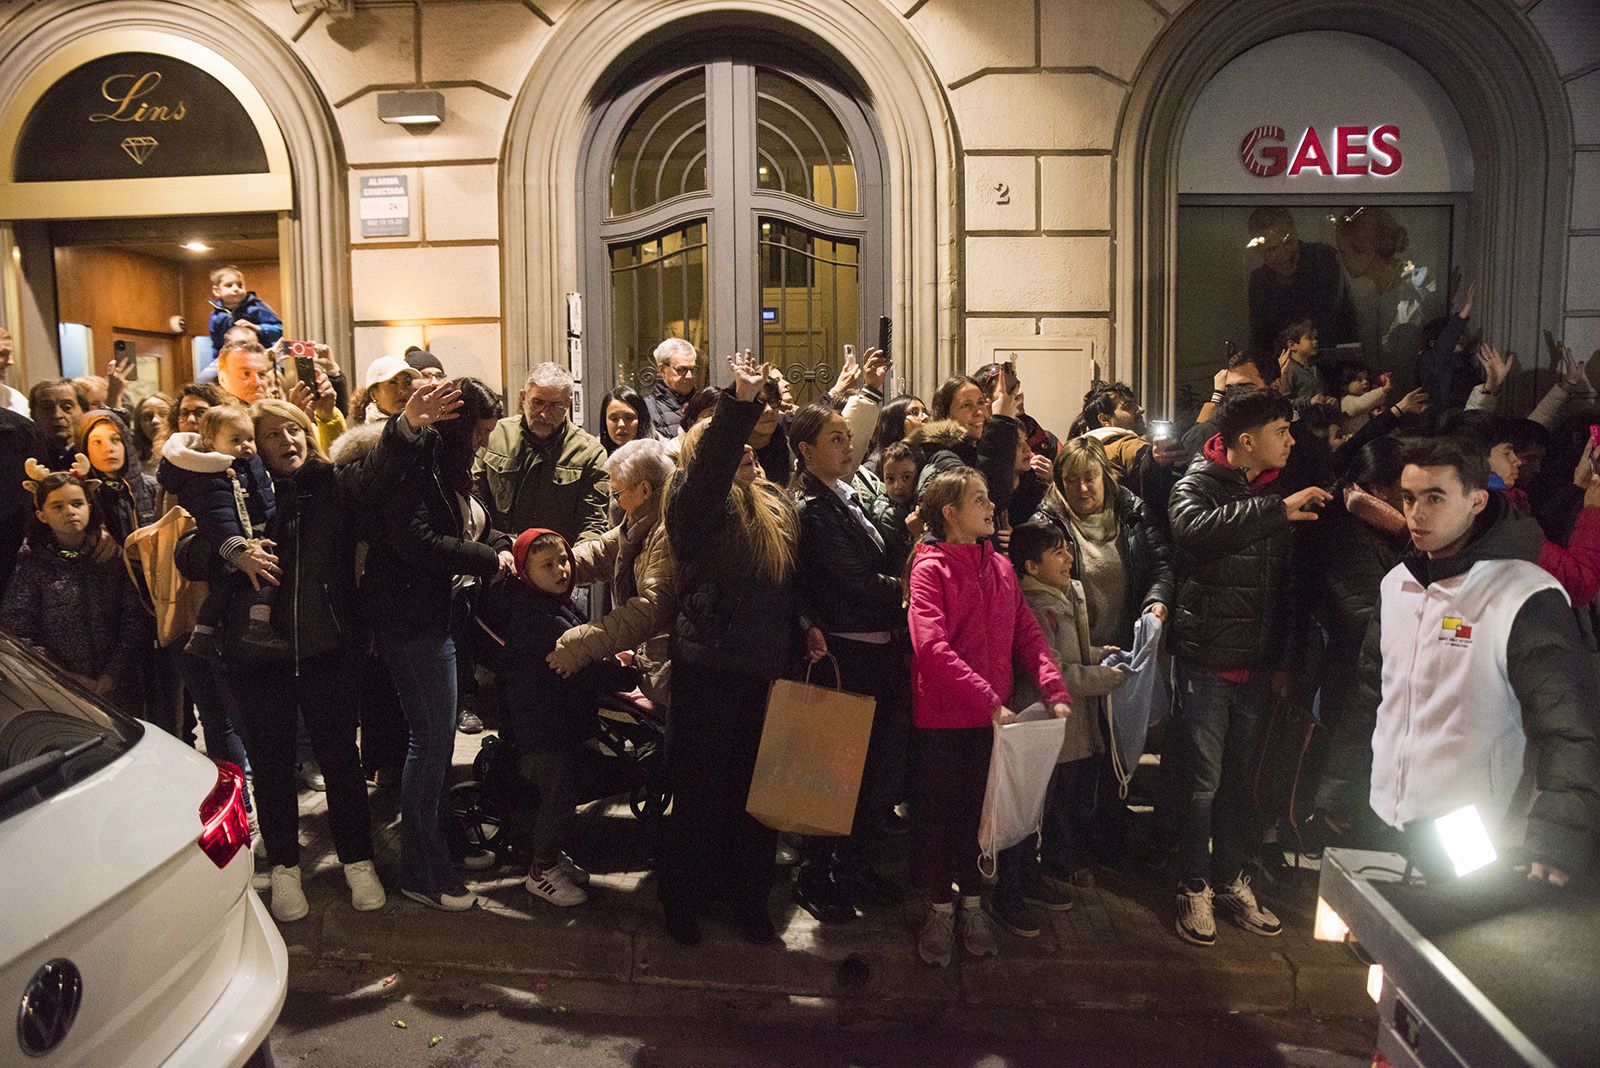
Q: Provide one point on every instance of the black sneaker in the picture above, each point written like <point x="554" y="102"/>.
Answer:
<point x="1014" y="916"/>
<point x="682" y="926"/>
<point x="1042" y="894"/>
<point x="203" y="644"/>
<point x="468" y="722"/>
<point x="817" y="893"/>
<point x="755" y="925"/>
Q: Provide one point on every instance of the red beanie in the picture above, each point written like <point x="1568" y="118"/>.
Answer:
<point x="519" y="551"/>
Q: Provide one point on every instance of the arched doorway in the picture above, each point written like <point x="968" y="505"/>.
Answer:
<point x="734" y="200"/>
<point x="1490" y="64"/>
<point x="594" y="44"/>
<point x="302" y="186"/>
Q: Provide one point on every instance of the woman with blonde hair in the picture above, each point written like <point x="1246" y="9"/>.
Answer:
<point x="307" y="675"/>
<point x="732" y="535"/>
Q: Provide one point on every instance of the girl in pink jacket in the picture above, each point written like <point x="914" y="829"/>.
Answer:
<point x="969" y="623"/>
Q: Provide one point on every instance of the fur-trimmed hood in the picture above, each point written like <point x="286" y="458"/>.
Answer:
<point x="940" y="434"/>
<point x="182" y="450"/>
<point x="355" y="444"/>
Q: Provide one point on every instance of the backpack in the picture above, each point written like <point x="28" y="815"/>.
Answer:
<point x="172" y="598"/>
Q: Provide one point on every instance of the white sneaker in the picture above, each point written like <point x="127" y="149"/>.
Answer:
<point x="258" y="844"/>
<point x="977" y="929"/>
<point x="1196" y="923"/>
<point x="575" y="874"/>
<point x="1238" y="902"/>
<point x="477" y="859"/>
<point x="938" y="932"/>
<point x="553" y="885"/>
<point x="288" y="899"/>
<point x="444" y="901"/>
<point x="366" y="891"/>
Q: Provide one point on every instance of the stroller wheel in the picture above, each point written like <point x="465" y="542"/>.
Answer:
<point x="647" y="803"/>
<point x="476" y="812"/>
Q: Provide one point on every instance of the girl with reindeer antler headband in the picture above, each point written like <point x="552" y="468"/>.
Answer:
<point x="75" y="609"/>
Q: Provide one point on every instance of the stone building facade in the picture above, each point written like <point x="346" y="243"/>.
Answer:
<point x="1028" y="150"/>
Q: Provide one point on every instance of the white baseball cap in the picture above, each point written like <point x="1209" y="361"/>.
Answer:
<point x="385" y="368"/>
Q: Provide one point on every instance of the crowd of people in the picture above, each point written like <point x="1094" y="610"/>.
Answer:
<point x="1417" y="574"/>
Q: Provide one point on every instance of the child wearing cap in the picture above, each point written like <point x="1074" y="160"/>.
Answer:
<point x="550" y="716"/>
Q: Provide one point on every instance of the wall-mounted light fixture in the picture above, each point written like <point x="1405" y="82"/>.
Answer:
<point x="419" y="107"/>
<point x="197" y="246"/>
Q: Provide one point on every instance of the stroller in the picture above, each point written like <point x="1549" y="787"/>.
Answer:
<point x="624" y="757"/>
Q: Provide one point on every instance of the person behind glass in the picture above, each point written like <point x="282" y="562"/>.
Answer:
<point x="632" y="556"/>
<point x="1044" y="565"/>
<point x="431" y="543"/>
<point x="624" y="417"/>
<point x="55" y="406"/>
<point x="150" y="428"/>
<point x="306" y="674"/>
<point x="220" y="481"/>
<point x="677" y="369"/>
<point x="851" y="588"/>
<point x="732" y="535"/>
<point x="969" y="625"/>
<point x="126" y="498"/>
<point x="69" y="606"/>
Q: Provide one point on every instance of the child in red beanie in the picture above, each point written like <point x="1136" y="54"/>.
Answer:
<point x="550" y="716"/>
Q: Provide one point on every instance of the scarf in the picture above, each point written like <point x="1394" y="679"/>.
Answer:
<point x="1102" y="571"/>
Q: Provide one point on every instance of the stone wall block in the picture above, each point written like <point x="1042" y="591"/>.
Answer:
<point x="491" y="41"/>
<point x="1586" y="191"/>
<point x="376" y="47"/>
<point x="1583" y="274"/>
<point x="1021" y="274"/>
<point x="1075" y="192"/>
<point x="1002" y="193"/>
<point x="1571" y="30"/>
<point x="1584" y="96"/>
<point x="472" y="349"/>
<point x="473" y="128"/>
<point x="1034" y="111"/>
<point x="1111" y="35"/>
<point x="963" y="37"/>
<point x="459" y="203"/>
<point x="425" y="283"/>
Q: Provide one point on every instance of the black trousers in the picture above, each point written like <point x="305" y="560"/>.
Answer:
<point x="952" y="774"/>
<point x="710" y="844"/>
<point x="271" y="699"/>
<point x="384" y="735"/>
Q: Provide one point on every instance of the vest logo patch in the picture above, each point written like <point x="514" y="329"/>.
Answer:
<point x="1456" y="632"/>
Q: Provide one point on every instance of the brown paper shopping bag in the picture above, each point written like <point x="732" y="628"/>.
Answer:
<point x="813" y="748"/>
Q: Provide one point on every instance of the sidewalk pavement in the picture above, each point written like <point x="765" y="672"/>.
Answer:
<point x="1115" y="950"/>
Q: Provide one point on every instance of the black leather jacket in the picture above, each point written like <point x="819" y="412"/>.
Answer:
<point x="1231" y="552"/>
<point x="847" y="582"/>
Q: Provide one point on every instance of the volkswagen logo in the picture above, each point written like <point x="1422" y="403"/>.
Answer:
<point x="49" y="1006"/>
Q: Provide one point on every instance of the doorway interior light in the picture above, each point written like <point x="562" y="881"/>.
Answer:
<point x="197" y="246"/>
<point x="422" y="107"/>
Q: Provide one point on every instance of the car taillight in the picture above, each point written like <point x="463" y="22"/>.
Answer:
<point x="224" y="828"/>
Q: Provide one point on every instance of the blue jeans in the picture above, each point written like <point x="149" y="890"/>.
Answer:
<point x="1219" y="724"/>
<point x="423" y="667"/>
<point x="216" y="708"/>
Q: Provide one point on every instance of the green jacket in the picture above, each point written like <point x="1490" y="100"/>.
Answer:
<point x="561" y="484"/>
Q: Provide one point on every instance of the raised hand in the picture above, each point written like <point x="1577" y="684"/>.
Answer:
<point x="433" y="402"/>
<point x="875" y="369"/>
<point x="1496" y="368"/>
<point x="748" y="375"/>
<point x="1414" y="402"/>
<point x="849" y="379"/>
<point x="1299" y="506"/>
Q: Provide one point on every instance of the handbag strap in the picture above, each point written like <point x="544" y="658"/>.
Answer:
<point x="838" y="679"/>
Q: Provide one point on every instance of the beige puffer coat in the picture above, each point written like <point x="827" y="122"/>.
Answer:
<point x="634" y="557"/>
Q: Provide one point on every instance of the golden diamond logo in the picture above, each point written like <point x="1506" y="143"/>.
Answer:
<point x="139" y="148"/>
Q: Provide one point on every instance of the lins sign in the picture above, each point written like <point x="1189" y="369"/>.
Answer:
<point x="1351" y="151"/>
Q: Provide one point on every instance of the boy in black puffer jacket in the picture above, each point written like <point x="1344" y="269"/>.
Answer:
<point x="219" y="480"/>
<point x="550" y="715"/>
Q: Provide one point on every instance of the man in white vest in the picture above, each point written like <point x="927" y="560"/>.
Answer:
<point x="1474" y="663"/>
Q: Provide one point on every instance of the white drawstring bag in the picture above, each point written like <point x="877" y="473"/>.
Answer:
<point x="1020" y="765"/>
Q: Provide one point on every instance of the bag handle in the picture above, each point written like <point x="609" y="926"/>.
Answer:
<point x="838" y="679"/>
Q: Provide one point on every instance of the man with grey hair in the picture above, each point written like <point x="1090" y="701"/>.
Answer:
<point x="542" y="470"/>
<point x="676" y="363"/>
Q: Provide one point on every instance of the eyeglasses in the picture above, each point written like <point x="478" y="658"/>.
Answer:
<point x="536" y="405"/>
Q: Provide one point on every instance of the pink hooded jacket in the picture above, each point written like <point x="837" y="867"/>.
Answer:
<point x="968" y="622"/>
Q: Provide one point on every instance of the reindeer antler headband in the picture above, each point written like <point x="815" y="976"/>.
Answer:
<point x="38" y="472"/>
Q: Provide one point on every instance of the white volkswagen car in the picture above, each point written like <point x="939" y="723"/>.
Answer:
<point x="131" y="935"/>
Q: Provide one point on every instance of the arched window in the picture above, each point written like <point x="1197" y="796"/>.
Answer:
<point x="734" y="200"/>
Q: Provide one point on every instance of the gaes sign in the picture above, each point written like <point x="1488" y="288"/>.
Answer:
<point x="1357" y="150"/>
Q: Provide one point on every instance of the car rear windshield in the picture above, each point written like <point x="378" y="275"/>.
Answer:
<point x="43" y="715"/>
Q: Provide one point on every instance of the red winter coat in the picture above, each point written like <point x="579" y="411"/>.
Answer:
<point x="969" y="622"/>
